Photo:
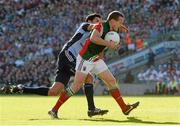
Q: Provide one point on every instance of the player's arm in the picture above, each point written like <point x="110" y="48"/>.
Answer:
<point x="88" y="27"/>
<point x="96" y="38"/>
<point x="91" y="27"/>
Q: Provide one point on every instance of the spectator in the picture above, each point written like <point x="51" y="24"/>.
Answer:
<point x="151" y="56"/>
<point x="139" y="44"/>
<point x="162" y="74"/>
<point x="173" y="86"/>
<point x="32" y="31"/>
<point x="130" y="45"/>
<point x="160" y="87"/>
<point x="151" y="74"/>
<point x="141" y="76"/>
<point x="129" y="78"/>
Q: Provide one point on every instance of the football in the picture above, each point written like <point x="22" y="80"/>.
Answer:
<point x="112" y="36"/>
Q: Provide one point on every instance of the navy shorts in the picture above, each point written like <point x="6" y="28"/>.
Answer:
<point x="65" y="68"/>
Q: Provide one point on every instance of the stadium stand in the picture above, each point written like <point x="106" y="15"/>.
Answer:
<point x="33" y="31"/>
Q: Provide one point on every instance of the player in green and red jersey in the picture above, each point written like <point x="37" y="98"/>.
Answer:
<point x="88" y="61"/>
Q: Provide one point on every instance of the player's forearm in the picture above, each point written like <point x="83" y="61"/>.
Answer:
<point x="99" y="41"/>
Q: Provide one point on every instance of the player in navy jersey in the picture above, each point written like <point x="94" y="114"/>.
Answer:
<point x="66" y="68"/>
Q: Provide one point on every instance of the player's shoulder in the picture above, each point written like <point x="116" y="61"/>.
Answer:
<point x="84" y="26"/>
<point x="84" y="23"/>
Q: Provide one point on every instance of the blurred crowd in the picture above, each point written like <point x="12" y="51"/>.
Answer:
<point x="166" y="76"/>
<point x="32" y="32"/>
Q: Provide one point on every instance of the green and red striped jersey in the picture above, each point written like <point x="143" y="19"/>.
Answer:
<point x="91" y="50"/>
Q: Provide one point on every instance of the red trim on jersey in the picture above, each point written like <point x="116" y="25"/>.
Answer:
<point x="85" y="46"/>
<point x="98" y="27"/>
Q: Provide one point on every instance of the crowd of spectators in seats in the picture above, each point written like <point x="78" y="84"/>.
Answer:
<point x="166" y="76"/>
<point x="33" y="31"/>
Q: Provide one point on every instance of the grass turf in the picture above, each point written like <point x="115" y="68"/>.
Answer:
<point x="32" y="110"/>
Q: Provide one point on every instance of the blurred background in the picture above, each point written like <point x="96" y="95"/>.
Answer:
<point x="32" y="32"/>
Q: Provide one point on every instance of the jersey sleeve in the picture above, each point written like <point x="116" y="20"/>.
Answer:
<point x="85" y="27"/>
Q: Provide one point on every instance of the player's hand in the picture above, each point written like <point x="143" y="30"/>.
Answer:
<point x="113" y="45"/>
<point x="101" y="55"/>
<point x="123" y="28"/>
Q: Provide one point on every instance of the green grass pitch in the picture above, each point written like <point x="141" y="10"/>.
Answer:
<point x="32" y="111"/>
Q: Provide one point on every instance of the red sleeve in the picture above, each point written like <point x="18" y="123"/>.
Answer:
<point x="98" y="27"/>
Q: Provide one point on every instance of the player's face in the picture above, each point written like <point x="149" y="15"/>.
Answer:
<point x="96" y="20"/>
<point x="118" y="23"/>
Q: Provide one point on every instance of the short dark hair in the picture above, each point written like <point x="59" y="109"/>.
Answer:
<point x="92" y="16"/>
<point x="114" y="15"/>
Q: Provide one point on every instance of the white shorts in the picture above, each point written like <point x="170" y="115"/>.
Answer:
<point x="90" y="67"/>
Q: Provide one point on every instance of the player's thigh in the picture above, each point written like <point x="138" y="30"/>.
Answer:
<point x="83" y="65"/>
<point x="83" y="68"/>
<point x="99" y="67"/>
<point x="63" y="72"/>
<point x="108" y="78"/>
<point x="79" y="80"/>
<point x="61" y="80"/>
<point x="63" y="76"/>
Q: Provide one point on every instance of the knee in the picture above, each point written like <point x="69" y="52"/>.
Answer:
<point x="89" y="79"/>
<point x="75" y="87"/>
<point x="112" y="81"/>
<point x="112" y="84"/>
<point x="52" y="92"/>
